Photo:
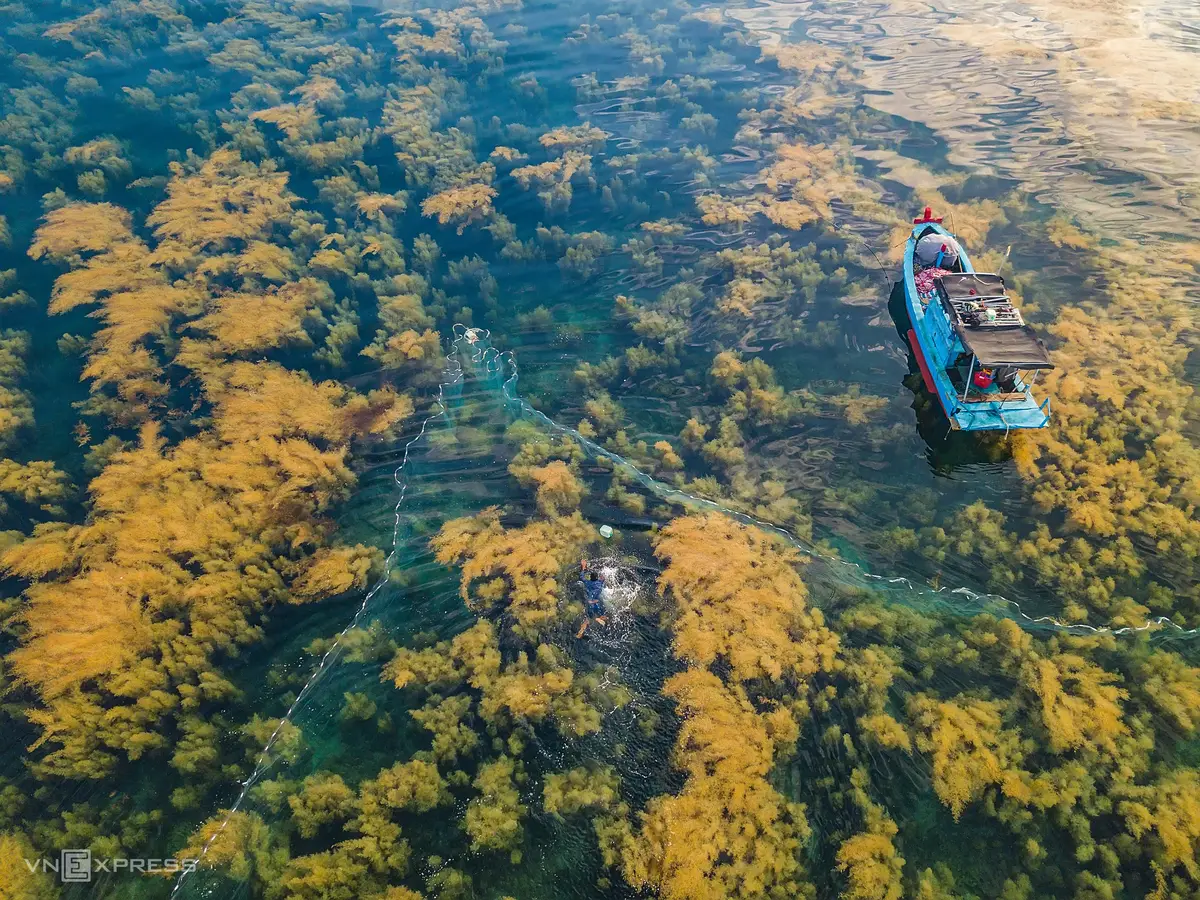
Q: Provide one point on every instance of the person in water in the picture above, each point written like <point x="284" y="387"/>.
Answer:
<point x="593" y="589"/>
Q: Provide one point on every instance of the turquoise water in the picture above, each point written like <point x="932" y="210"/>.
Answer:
<point x="689" y="238"/>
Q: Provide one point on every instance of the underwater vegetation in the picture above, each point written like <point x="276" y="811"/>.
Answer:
<point x="289" y="592"/>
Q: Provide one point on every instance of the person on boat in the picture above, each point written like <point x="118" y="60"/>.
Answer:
<point x="593" y="589"/>
<point x="1006" y="378"/>
<point x="938" y="251"/>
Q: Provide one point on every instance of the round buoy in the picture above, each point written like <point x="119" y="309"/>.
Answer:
<point x="606" y="531"/>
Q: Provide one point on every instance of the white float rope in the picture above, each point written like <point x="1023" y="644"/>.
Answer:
<point x="454" y="371"/>
<point x="495" y="361"/>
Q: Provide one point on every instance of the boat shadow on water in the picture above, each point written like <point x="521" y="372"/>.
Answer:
<point x="946" y="448"/>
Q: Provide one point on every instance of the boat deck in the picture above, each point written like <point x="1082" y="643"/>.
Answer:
<point x="975" y="395"/>
<point x="1000" y="416"/>
<point x="994" y="408"/>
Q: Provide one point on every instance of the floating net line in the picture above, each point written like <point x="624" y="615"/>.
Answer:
<point x="956" y="599"/>
<point x="450" y="399"/>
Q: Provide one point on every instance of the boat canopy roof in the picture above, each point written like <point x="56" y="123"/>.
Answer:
<point x="972" y="286"/>
<point x="1009" y="345"/>
<point x="988" y="324"/>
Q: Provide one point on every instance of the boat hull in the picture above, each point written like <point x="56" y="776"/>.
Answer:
<point x="932" y="347"/>
<point x="926" y="375"/>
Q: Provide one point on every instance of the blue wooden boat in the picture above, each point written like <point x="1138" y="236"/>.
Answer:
<point x="975" y="352"/>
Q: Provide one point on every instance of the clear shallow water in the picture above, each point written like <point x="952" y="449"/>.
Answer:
<point x="857" y="464"/>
